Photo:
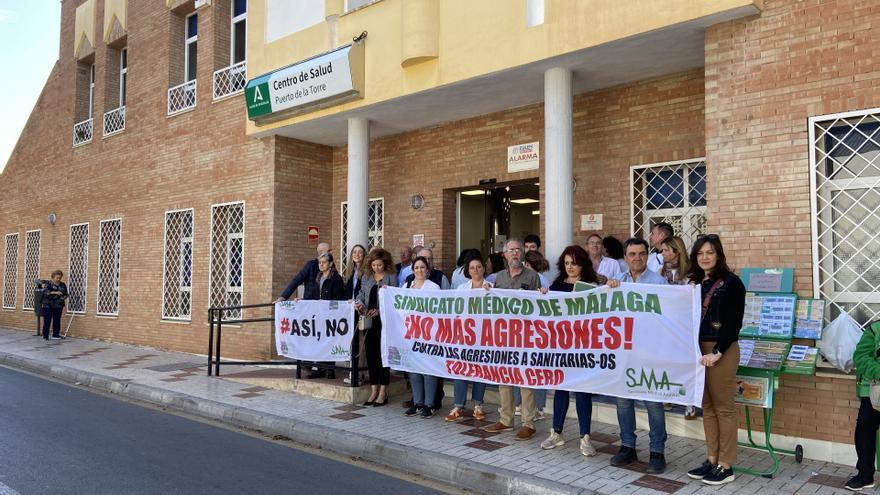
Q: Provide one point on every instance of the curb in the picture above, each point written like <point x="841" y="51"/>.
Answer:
<point x="436" y="466"/>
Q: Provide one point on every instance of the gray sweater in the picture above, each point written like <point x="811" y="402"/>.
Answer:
<point x="367" y="283"/>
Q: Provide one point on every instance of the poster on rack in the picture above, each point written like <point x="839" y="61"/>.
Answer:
<point x="638" y="341"/>
<point x="314" y="330"/>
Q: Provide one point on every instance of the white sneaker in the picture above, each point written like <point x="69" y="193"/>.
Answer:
<point x="517" y="411"/>
<point x="587" y="448"/>
<point x="553" y="441"/>
<point x="539" y="415"/>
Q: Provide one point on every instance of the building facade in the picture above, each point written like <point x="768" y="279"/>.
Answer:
<point x="756" y="120"/>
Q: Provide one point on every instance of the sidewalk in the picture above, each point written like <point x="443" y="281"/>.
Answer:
<point x="456" y="453"/>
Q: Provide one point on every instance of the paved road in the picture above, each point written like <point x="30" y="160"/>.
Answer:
<point x="57" y="439"/>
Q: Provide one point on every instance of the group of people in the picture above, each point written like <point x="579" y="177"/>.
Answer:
<point x="605" y="261"/>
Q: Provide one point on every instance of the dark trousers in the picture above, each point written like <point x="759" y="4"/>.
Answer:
<point x="52" y="316"/>
<point x="866" y="438"/>
<point x="373" y="347"/>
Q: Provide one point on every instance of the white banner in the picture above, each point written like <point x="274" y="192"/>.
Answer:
<point x="314" y="330"/>
<point x="638" y="341"/>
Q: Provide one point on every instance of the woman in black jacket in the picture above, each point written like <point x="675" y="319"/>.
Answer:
<point x="54" y="295"/>
<point x="724" y="300"/>
<point x="331" y="287"/>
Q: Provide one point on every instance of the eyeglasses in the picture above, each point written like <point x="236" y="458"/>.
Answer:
<point x="513" y="250"/>
<point x="711" y="237"/>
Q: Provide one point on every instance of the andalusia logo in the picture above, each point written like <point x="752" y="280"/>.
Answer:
<point x="651" y="380"/>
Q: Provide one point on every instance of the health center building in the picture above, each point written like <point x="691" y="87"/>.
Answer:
<point x="186" y="154"/>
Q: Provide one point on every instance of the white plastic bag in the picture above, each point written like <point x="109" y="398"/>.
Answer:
<point x="839" y="342"/>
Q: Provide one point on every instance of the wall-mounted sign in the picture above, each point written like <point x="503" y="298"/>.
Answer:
<point x="418" y="240"/>
<point x="325" y="80"/>
<point x="313" y="233"/>
<point x="523" y="157"/>
<point x="593" y="221"/>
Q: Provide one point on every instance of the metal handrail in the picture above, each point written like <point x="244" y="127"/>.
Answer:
<point x="215" y="317"/>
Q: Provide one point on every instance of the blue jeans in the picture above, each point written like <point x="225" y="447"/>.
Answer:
<point x="540" y="397"/>
<point x="583" y="403"/>
<point x="424" y="388"/>
<point x="477" y="394"/>
<point x="626" y="419"/>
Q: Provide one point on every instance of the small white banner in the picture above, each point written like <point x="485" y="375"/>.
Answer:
<point x="638" y="341"/>
<point x="523" y="157"/>
<point x="314" y="330"/>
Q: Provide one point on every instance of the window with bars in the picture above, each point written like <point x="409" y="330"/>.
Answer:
<point x="177" y="279"/>
<point x="672" y="192"/>
<point x="10" y="271"/>
<point x="227" y="257"/>
<point x="845" y="181"/>
<point x="31" y="267"/>
<point x="238" y="51"/>
<point x="79" y="267"/>
<point x="190" y="48"/>
<point x="110" y="252"/>
<point x="375" y="227"/>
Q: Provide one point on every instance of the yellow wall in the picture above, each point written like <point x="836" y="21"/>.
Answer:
<point x="84" y="28"/>
<point x="475" y="38"/>
<point x="114" y="10"/>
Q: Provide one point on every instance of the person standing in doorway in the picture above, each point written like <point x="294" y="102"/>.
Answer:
<point x="636" y="254"/>
<point x="532" y="243"/>
<point x="659" y="233"/>
<point x="54" y="296"/>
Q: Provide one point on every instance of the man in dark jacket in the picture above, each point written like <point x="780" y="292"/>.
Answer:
<point x="307" y="277"/>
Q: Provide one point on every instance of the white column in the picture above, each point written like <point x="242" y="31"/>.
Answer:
<point x="557" y="163"/>
<point x="358" y="181"/>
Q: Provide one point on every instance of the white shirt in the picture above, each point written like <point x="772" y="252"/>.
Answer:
<point x="404" y="272"/>
<point x="458" y="277"/>
<point x="427" y="285"/>
<point x="655" y="262"/>
<point x="468" y="286"/>
<point x="608" y="267"/>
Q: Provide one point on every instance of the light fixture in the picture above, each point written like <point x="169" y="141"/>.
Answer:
<point x="417" y="201"/>
<point x="472" y="192"/>
<point x="52" y="218"/>
<point x="524" y="201"/>
<point x="536" y="212"/>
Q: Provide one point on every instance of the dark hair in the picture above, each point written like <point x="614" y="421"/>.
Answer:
<point x="635" y="241"/>
<point x="665" y="228"/>
<point x="467" y="254"/>
<point x="497" y="262"/>
<point x="378" y="253"/>
<point x="721" y="269"/>
<point x="467" y="265"/>
<point x="423" y="260"/>
<point x="532" y="238"/>
<point x="537" y="261"/>
<point x="582" y="259"/>
<point x="613" y="246"/>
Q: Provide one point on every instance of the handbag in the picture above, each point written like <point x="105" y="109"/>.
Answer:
<point x="875" y="394"/>
<point x="365" y="323"/>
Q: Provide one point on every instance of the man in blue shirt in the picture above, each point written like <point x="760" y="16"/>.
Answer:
<point x="636" y="256"/>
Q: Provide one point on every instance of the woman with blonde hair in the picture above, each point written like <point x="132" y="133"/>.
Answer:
<point x="676" y="265"/>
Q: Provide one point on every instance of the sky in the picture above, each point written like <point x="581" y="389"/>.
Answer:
<point x="29" y="34"/>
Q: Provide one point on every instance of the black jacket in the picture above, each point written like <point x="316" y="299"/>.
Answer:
<point x="352" y="286"/>
<point x="333" y="289"/>
<point x="308" y="277"/>
<point x="724" y="317"/>
<point x="54" y="301"/>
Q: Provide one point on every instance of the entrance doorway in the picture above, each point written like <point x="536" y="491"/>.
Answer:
<point x="490" y="214"/>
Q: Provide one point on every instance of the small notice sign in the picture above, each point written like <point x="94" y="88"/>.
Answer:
<point x="523" y="157"/>
<point x="418" y="240"/>
<point x="593" y="221"/>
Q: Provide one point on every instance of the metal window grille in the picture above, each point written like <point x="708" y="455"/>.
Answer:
<point x="79" y="267"/>
<point x="227" y="257"/>
<point x="182" y="97"/>
<point x="82" y="132"/>
<point x="845" y="202"/>
<point x="671" y="192"/>
<point x="114" y="121"/>
<point x="31" y="267"/>
<point x="10" y="272"/>
<point x="110" y="252"/>
<point x="375" y="227"/>
<point x="177" y="278"/>
<point x="230" y="80"/>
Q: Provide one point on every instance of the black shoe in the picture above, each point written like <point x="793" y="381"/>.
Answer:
<point x="427" y="412"/>
<point x="413" y="410"/>
<point x="719" y="476"/>
<point x="702" y="471"/>
<point x="368" y="403"/>
<point x="657" y="463"/>
<point x="625" y="456"/>
<point x="856" y="483"/>
<point x="316" y="374"/>
<point x="380" y="404"/>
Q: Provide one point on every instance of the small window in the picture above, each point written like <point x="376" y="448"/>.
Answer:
<point x="239" y="31"/>
<point x="674" y="193"/>
<point x="375" y="227"/>
<point x="123" y="75"/>
<point x="191" y="46"/>
<point x="91" y="90"/>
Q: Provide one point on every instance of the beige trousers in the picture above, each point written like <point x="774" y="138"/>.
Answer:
<point x="507" y="406"/>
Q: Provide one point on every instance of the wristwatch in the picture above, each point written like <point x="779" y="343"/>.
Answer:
<point x="715" y="351"/>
